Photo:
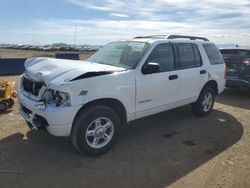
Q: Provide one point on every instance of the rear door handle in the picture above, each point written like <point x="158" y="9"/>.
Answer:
<point x="173" y="77"/>
<point x="203" y="72"/>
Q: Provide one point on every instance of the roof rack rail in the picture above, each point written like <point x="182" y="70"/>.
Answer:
<point x="187" y="37"/>
<point x="151" y="36"/>
<point x="171" y="37"/>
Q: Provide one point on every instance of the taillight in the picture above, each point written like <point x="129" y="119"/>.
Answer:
<point x="246" y="62"/>
<point x="225" y="73"/>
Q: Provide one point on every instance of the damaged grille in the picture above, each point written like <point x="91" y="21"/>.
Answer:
<point x="31" y="86"/>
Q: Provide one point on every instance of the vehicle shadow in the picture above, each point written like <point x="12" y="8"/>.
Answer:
<point x="235" y="97"/>
<point x="7" y="112"/>
<point x="152" y="152"/>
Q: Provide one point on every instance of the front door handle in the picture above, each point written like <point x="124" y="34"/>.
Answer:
<point x="203" y="72"/>
<point x="173" y="77"/>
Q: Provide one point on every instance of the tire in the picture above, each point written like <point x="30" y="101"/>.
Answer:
<point x="95" y="130"/>
<point x="11" y="102"/>
<point x="204" y="105"/>
<point x="3" y="106"/>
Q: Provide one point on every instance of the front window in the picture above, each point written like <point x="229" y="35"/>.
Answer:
<point x="120" y="54"/>
<point x="163" y="54"/>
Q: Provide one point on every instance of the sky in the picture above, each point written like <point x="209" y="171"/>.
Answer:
<point x="98" y="22"/>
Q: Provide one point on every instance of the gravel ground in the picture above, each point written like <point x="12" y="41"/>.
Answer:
<point x="170" y="149"/>
<point x="173" y="148"/>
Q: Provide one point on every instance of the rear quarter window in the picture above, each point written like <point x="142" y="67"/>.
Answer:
<point x="213" y="54"/>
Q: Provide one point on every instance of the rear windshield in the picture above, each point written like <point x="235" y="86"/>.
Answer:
<point x="213" y="54"/>
<point x="239" y="52"/>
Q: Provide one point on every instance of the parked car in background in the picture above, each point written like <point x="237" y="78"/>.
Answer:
<point x="238" y="67"/>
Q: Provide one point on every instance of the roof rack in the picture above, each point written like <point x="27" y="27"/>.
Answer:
<point x="172" y="37"/>
<point x="187" y="37"/>
<point x="151" y="36"/>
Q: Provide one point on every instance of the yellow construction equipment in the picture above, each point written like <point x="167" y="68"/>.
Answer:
<point x="7" y="95"/>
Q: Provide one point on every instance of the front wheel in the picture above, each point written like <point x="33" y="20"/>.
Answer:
<point x="95" y="130"/>
<point x="204" y="105"/>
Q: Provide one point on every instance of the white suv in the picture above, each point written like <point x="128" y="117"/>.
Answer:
<point x="125" y="80"/>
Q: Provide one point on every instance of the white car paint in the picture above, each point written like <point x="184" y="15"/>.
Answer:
<point x="59" y="71"/>
<point x="141" y="95"/>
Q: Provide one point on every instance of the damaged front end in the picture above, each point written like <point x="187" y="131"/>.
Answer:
<point x="40" y="92"/>
<point x="38" y="103"/>
<point x="52" y="92"/>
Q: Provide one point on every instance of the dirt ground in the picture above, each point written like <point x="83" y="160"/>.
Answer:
<point x="170" y="149"/>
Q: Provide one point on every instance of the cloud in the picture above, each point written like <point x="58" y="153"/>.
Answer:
<point x="220" y="21"/>
<point x="222" y="36"/>
<point x="223" y="13"/>
<point x="245" y="34"/>
<point x="106" y="5"/>
<point x="119" y="15"/>
<point x="101" y="31"/>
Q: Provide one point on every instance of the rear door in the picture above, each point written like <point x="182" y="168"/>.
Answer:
<point x="192" y="75"/>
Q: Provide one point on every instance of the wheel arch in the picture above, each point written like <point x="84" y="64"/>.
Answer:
<point x="213" y="84"/>
<point x="112" y="103"/>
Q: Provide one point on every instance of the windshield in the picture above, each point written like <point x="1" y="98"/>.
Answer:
<point x="120" y="54"/>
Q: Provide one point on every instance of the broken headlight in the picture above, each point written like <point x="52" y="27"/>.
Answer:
<point x="56" y="97"/>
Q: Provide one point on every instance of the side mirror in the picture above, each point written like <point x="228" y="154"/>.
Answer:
<point x="151" y="68"/>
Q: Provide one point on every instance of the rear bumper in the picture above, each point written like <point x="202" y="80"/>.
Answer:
<point x="237" y="82"/>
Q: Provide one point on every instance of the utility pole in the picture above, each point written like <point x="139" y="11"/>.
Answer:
<point x="75" y="34"/>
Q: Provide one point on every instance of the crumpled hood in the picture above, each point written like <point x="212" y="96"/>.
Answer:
<point x="60" y="71"/>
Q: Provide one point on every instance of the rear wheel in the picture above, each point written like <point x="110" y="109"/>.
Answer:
<point x="95" y="130"/>
<point x="204" y="105"/>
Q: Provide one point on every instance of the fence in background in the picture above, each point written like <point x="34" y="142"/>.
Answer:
<point x="72" y="56"/>
<point x="11" y="66"/>
<point x="15" y="66"/>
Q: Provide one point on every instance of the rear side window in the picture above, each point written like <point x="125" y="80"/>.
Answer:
<point x="188" y="55"/>
<point x="213" y="54"/>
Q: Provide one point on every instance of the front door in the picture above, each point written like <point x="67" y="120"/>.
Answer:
<point x="158" y="91"/>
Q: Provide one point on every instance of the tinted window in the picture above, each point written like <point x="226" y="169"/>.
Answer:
<point x="163" y="54"/>
<point x="213" y="54"/>
<point x="186" y="55"/>
<point x="198" y="61"/>
<point x="236" y="52"/>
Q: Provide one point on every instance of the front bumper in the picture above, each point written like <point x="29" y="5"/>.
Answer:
<point x="56" y="120"/>
<point x="233" y="81"/>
